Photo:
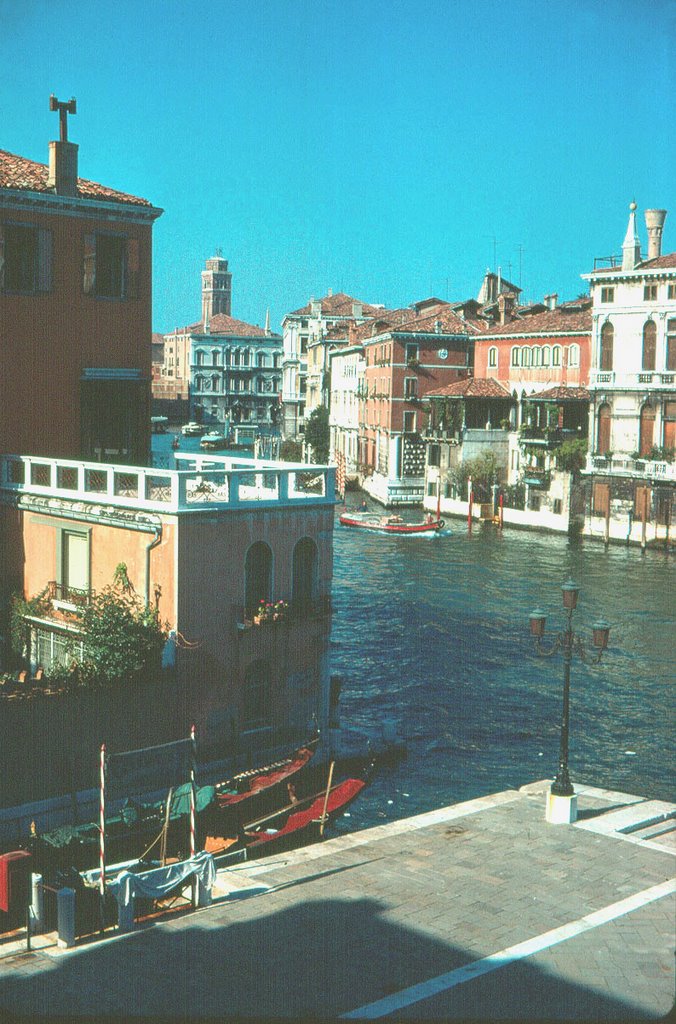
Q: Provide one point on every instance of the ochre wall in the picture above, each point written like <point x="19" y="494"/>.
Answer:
<point x="48" y="339"/>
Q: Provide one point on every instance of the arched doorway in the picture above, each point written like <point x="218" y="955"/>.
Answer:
<point x="603" y="429"/>
<point x="646" y="437"/>
<point x="304" y="573"/>
<point x="258" y="576"/>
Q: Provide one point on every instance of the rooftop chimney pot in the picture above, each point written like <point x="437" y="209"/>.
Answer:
<point x="654" y="222"/>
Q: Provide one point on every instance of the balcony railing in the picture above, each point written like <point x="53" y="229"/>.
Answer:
<point x="216" y="481"/>
<point x="547" y="437"/>
<point x="621" y="465"/>
<point x="61" y="592"/>
<point x="317" y="609"/>
<point x="632" y="381"/>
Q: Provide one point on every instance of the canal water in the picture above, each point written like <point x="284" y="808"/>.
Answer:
<point x="431" y="635"/>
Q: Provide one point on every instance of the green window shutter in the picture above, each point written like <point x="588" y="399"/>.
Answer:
<point x="132" y="269"/>
<point x="89" y="265"/>
<point x="44" y="260"/>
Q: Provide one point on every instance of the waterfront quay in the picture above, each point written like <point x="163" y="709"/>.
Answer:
<point x="479" y="910"/>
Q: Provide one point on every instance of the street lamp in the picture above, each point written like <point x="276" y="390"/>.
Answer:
<point x="562" y="802"/>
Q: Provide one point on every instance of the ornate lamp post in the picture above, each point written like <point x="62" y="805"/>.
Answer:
<point x="561" y="801"/>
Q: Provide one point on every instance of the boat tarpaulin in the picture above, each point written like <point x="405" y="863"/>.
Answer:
<point x="159" y="882"/>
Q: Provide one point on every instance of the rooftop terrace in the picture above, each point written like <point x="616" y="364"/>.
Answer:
<point x="213" y="482"/>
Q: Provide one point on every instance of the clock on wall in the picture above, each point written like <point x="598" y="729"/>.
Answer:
<point x="443" y="353"/>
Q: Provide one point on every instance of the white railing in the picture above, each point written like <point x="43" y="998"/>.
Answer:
<point x="621" y="465"/>
<point x="203" y="480"/>
<point x="634" y="381"/>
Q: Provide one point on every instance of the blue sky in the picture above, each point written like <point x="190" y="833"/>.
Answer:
<point x="387" y="148"/>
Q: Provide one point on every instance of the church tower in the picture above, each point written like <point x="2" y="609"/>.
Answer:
<point x="216" y="288"/>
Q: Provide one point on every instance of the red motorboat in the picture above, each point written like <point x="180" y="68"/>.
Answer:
<point x="390" y="524"/>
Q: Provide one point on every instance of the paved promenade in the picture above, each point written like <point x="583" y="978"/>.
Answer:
<point x="480" y="910"/>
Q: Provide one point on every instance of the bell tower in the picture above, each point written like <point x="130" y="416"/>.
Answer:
<point x="216" y="288"/>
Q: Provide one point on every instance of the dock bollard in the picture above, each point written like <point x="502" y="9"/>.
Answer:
<point x="125" y="915"/>
<point x="204" y="897"/>
<point x="65" y="916"/>
<point x="37" y="907"/>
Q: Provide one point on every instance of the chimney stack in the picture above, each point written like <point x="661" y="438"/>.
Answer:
<point x="505" y="307"/>
<point x="654" y="222"/>
<point x="62" y="175"/>
<point x="550" y="301"/>
<point x="357" y="310"/>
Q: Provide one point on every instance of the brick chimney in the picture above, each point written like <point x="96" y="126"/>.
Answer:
<point x="505" y="307"/>
<point x="62" y="176"/>
<point x="654" y="222"/>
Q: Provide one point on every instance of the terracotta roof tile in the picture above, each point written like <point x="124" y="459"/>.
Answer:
<point x="16" y="172"/>
<point x="668" y="260"/>
<point x="222" y="324"/>
<point x="561" y="393"/>
<point x="339" y="304"/>
<point x="553" y="321"/>
<point x="471" y="387"/>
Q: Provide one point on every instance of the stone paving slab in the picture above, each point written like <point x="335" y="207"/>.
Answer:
<point x="379" y="915"/>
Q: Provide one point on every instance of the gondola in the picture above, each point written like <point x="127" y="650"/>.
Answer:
<point x="296" y="824"/>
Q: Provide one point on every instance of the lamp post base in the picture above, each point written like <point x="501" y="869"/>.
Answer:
<point x="561" y="810"/>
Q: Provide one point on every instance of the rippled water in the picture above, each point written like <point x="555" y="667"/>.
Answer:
<point x="433" y="634"/>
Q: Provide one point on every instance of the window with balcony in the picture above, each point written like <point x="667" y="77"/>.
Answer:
<point x="25" y="259"/>
<point x="646" y="436"/>
<point x="670" y="361"/>
<point x="607" y="295"/>
<point x="603" y="429"/>
<point x="649" y="345"/>
<point x="607" y="340"/>
<point x="114" y="416"/>
<point x="72" y="569"/>
<point x="649" y="292"/>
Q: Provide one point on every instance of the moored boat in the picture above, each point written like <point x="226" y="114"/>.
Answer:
<point x="299" y="822"/>
<point x="192" y="429"/>
<point x="214" y="441"/>
<point x="390" y="524"/>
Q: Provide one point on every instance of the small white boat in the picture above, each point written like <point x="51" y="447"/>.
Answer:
<point x="192" y="429"/>
<point x="214" y="441"/>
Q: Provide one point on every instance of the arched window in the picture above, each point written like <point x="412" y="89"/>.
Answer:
<point x="258" y="577"/>
<point x="215" y="358"/>
<point x="215" y="380"/>
<point x="649" y="345"/>
<point x="535" y="355"/>
<point x="199" y="357"/>
<point x="525" y="356"/>
<point x="261" y="359"/>
<point x="516" y="354"/>
<point x="646" y="430"/>
<point x="235" y="357"/>
<point x="670" y="361"/>
<point x="305" y="579"/>
<point x="669" y="424"/>
<point x="603" y="429"/>
<point x="556" y="355"/>
<point x="574" y="355"/>
<point x="607" y="338"/>
<point x="245" y="357"/>
<point x="493" y="357"/>
<point x="546" y="355"/>
<point x="255" y="709"/>
<point x="198" y="383"/>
